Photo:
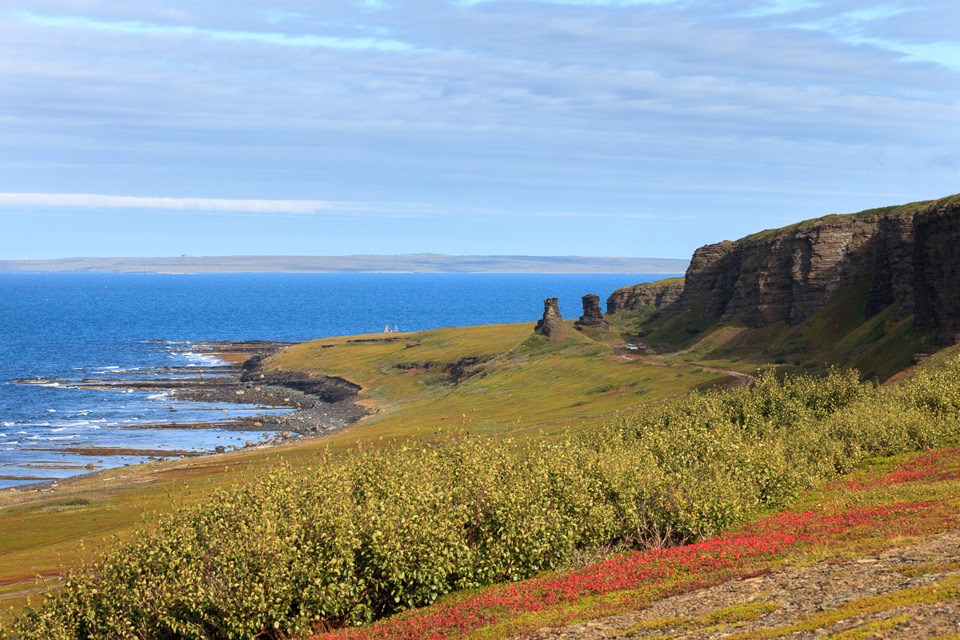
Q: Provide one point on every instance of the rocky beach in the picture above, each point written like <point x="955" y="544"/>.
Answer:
<point x="239" y="395"/>
<point x="322" y="404"/>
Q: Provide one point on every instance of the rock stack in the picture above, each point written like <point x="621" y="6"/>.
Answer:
<point x="551" y="324"/>
<point x="592" y="314"/>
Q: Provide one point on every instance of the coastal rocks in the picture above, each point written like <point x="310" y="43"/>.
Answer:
<point x="660" y="294"/>
<point x="324" y="403"/>
<point x="320" y="419"/>
<point x="325" y="388"/>
<point x="551" y="324"/>
<point x="313" y="415"/>
<point x="592" y="314"/>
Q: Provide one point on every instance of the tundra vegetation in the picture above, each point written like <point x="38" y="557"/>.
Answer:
<point x="359" y="536"/>
<point x="492" y="456"/>
<point x="492" y="380"/>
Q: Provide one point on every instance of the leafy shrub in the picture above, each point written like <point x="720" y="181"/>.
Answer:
<point x="360" y="536"/>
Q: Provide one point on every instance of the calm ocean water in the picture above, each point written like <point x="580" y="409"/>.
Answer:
<point x="77" y="325"/>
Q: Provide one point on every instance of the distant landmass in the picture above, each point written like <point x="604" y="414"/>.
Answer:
<point x="408" y="263"/>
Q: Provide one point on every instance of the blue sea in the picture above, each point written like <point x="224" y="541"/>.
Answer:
<point x="67" y="327"/>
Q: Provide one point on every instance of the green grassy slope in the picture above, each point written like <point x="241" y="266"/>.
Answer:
<point x="514" y="380"/>
<point x="518" y="383"/>
<point x="839" y="334"/>
<point x="366" y="535"/>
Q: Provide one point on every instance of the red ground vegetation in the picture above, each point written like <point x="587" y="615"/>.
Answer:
<point x="633" y="580"/>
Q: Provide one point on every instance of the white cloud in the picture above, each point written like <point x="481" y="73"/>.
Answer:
<point x="98" y="201"/>
<point x="152" y="29"/>
<point x="385" y="210"/>
<point x="509" y="108"/>
<point x="779" y="7"/>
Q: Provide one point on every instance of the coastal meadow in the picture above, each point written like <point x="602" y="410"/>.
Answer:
<point x="632" y="581"/>
<point x="365" y="536"/>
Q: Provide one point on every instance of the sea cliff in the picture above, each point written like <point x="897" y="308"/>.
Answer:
<point x="907" y="255"/>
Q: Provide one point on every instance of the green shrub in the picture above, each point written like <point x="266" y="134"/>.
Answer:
<point x="361" y="536"/>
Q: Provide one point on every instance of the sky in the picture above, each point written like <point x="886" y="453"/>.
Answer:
<point x="497" y="127"/>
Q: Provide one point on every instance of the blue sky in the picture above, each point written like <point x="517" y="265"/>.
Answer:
<point x="542" y="127"/>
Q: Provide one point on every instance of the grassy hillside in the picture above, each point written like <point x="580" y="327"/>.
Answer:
<point x="364" y="535"/>
<point x="510" y="380"/>
<point x="839" y="334"/>
<point x="516" y="383"/>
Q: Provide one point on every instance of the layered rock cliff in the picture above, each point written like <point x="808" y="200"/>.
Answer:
<point x="784" y="275"/>
<point x="908" y="255"/>
<point x="936" y="270"/>
<point x="659" y="294"/>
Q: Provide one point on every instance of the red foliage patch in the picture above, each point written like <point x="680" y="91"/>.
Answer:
<point x="931" y="467"/>
<point x="732" y="555"/>
<point x="650" y="575"/>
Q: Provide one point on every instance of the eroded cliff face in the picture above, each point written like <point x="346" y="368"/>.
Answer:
<point x="893" y="275"/>
<point x="659" y="294"/>
<point x="936" y="264"/>
<point x="909" y="256"/>
<point x="786" y="275"/>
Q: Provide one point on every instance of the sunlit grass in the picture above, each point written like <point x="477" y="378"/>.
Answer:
<point x="520" y="385"/>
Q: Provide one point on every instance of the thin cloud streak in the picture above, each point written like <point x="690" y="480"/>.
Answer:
<point x="88" y="201"/>
<point x="279" y="39"/>
<point x="98" y="201"/>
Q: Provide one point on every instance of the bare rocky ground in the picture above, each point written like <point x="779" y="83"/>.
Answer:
<point x="910" y="592"/>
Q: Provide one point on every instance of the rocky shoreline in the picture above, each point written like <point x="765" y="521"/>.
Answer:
<point x="321" y="405"/>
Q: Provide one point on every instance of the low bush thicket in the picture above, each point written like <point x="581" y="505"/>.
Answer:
<point x="361" y="536"/>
